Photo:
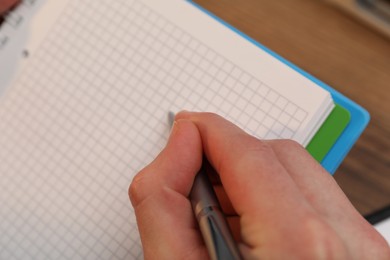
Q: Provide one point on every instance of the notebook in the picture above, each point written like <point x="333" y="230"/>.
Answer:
<point x="85" y="108"/>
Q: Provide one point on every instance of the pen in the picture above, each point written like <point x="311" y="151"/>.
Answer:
<point x="212" y="222"/>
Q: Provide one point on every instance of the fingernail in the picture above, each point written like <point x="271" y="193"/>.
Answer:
<point x="173" y="129"/>
<point x="184" y="113"/>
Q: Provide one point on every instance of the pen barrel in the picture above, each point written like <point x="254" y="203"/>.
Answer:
<point x="202" y="193"/>
<point x="212" y="222"/>
<point x="217" y="236"/>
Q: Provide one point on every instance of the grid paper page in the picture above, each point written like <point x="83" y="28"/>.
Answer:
<point x="90" y="110"/>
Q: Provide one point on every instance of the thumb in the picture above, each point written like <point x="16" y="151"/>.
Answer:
<point x="159" y="196"/>
<point x="175" y="167"/>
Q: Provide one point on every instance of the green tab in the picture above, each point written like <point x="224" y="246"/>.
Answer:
<point x="328" y="133"/>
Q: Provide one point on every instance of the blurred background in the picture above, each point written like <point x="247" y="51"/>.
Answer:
<point x="346" y="44"/>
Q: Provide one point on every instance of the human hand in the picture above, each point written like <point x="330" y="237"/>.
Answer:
<point x="5" y="5"/>
<point x="280" y="203"/>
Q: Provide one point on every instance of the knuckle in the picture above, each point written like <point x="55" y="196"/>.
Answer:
<point x="322" y="241"/>
<point x="256" y="147"/>
<point x="137" y="189"/>
<point x="250" y="149"/>
<point x="291" y="145"/>
<point x="289" y="148"/>
<point x="377" y="245"/>
<point x="210" y="116"/>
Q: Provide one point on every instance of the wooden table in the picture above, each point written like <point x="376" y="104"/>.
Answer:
<point x="342" y="52"/>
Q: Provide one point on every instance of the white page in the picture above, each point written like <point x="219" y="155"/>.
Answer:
<point x="14" y="33"/>
<point x="89" y="110"/>
<point x="383" y="227"/>
<point x="254" y="61"/>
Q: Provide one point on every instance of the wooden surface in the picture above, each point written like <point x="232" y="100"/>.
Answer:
<point x="342" y="52"/>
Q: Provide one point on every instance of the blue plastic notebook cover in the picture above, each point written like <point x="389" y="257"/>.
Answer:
<point x="359" y="116"/>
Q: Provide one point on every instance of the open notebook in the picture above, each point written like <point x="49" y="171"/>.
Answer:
<point x="88" y="109"/>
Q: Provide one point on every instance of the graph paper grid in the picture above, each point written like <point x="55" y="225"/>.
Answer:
<point x="90" y="110"/>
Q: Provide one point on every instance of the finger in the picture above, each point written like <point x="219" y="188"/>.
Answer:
<point x="224" y="201"/>
<point x="275" y="217"/>
<point x="248" y="167"/>
<point x="325" y="196"/>
<point x="176" y="165"/>
<point x="235" y="227"/>
<point x="159" y="197"/>
<point x="211" y="173"/>
<point x="5" y="5"/>
<point x="311" y="178"/>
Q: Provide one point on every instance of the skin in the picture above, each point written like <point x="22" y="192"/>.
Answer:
<point x="280" y="203"/>
<point x="5" y="5"/>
